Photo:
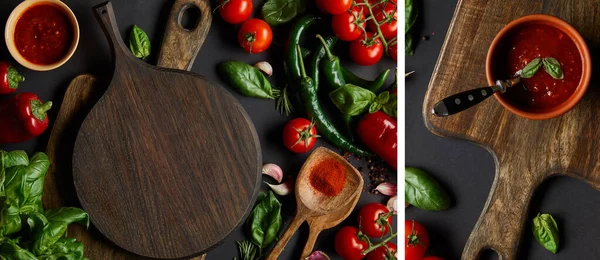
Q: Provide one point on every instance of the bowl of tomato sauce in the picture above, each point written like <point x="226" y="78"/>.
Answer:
<point x="542" y="95"/>
<point x="42" y="34"/>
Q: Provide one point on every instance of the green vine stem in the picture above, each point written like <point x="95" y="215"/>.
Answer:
<point x="386" y="19"/>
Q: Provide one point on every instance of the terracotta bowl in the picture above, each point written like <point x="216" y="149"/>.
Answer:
<point x="9" y="33"/>
<point x="585" y="59"/>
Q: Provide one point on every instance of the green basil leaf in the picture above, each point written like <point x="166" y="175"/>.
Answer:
<point x="9" y="250"/>
<point x="14" y="158"/>
<point x="265" y="220"/>
<point x="139" y="42"/>
<point x="410" y="15"/>
<point x="424" y="192"/>
<point x="391" y="107"/>
<point x="530" y="69"/>
<point x="409" y="48"/>
<point x="545" y="231"/>
<point x="24" y="185"/>
<point x="246" y="79"/>
<point x="10" y="220"/>
<point x="552" y="67"/>
<point x="49" y="228"/>
<point x="64" y="249"/>
<point x="383" y="97"/>
<point x="276" y="12"/>
<point x="352" y="100"/>
<point x="374" y="107"/>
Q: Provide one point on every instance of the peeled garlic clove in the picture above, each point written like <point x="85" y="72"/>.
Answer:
<point x="317" y="255"/>
<point x="388" y="189"/>
<point x="274" y="171"/>
<point x="392" y="204"/>
<point x="284" y="188"/>
<point x="265" y="67"/>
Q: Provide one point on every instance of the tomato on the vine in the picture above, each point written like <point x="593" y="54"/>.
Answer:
<point x="299" y="135"/>
<point x="393" y="50"/>
<point x="235" y="11"/>
<point x="366" y="50"/>
<point x="372" y="218"/>
<point x="255" y="36"/>
<point x="387" y="17"/>
<point x="348" y="245"/>
<point x="334" y="6"/>
<point x="432" y="258"/>
<point x="416" y="240"/>
<point x="348" y="26"/>
<point x="381" y="253"/>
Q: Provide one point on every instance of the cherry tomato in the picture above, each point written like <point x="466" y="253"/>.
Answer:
<point x="334" y="6"/>
<point x="388" y="13"/>
<point x="366" y="50"/>
<point x="381" y="253"/>
<point x="348" y="245"/>
<point x="416" y="240"/>
<point x="255" y="36"/>
<point x="432" y="258"/>
<point x="393" y="50"/>
<point x="235" y="11"/>
<point x="299" y="135"/>
<point x="371" y="219"/>
<point x="346" y="26"/>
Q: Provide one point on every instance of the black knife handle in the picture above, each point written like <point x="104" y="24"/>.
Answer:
<point x="462" y="101"/>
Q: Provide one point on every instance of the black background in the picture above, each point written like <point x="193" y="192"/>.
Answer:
<point x="467" y="170"/>
<point x="93" y="56"/>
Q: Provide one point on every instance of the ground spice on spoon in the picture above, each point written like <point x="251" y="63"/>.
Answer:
<point x="328" y="177"/>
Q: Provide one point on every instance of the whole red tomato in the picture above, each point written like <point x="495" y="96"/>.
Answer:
<point x="334" y="6"/>
<point x="299" y="135"/>
<point x="235" y="11"/>
<point x="348" y="26"/>
<point x="388" y="14"/>
<point x="393" y="50"/>
<point x="416" y="240"/>
<point x="348" y="245"/>
<point x="371" y="219"/>
<point x="366" y="50"/>
<point x="255" y="36"/>
<point x="381" y="253"/>
<point x="432" y="258"/>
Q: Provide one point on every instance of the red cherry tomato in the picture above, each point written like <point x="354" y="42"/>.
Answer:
<point x="393" y="50"/>
<point x="255" y="36"/>
<point x="235" y="11"/>
<point x="432" y="258"/>
<point x="366" y="50"/>
<point x="370" y="222"/>
<point x="346" y="26"/>
<point x="389" y="14"/>
<point x="381" y="253"/>
<point x="348" y="245"/>
<point x="299" y="135"/>
<point x="334" y="6"/>
<point x="416" y="240"/>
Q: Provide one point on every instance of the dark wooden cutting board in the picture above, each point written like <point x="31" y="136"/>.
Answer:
<point x="526" y="152"/>
<point x="166" y="163"/>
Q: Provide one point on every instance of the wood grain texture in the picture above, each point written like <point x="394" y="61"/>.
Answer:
<point x="165" y="163"/>
<point x="526" y="152"/>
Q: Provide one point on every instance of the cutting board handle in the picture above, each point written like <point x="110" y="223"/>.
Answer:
<point x="500" y="226"/>
<point x="106" y="16"/>
<point x="180" y="46"/>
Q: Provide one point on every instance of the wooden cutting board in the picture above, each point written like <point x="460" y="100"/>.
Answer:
<point x="526" y="152"/>
<point x="166" y="163"/>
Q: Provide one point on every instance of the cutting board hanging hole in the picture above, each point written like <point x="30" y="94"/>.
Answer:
<point x="189" y="17"/>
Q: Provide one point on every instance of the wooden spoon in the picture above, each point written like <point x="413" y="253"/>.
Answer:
<point x="319" y="223"/>
<point x="311" y="203"/>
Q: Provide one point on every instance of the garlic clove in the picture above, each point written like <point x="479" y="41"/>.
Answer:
<point x="284" y="188"/>
<point x="273" y="170"/>
<point x="317" y="255"/>
<point x="265" y="67"/>
<point x="387" y="188"/>
<point x="392" y="204"/>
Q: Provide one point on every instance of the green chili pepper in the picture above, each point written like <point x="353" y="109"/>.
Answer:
<point x="293" y="67"/>
<point x="318" y="56"/>
<point x="373" y="85"/>
<point x="308" y="94"/>
<point x="331" y="68"/>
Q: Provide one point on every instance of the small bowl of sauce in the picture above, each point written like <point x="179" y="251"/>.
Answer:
<point x="42" y="34"/>
<point x="540" y="36"/>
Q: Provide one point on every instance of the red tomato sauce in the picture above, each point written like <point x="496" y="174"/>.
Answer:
<point x="43" y="34"/>
<point x="540" y="92"/>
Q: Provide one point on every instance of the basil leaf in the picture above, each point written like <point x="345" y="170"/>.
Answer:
<point x="409" y="48"/>
<point x="49" y="228"/>
<point x="383" y="97"/>
<point x="14" y="158"/>
<point x="10" y="220"/>
<point x="545" y="231"/>
<point x="410" y="15"/>
<point x="530" y="69"/>
<point x="374" y="107"/>
<point x="552" y="67"/>
<point x="64" y="249"/>
<point x="352" y="100"/>
<point x="139" y="42"/>
<point x="391" y="107"/>
<point x="265" y="220"/>
<point x="276" y="12"/>
<point x="11" y="251"/>
<point x="424" y="192"/>
<point x="246" y="79"/>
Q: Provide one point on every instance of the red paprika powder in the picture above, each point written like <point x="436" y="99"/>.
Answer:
<point x="328" y="177"/>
